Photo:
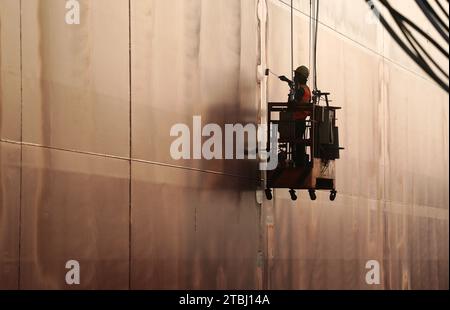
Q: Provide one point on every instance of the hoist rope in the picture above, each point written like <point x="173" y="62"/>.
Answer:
<point x="310" y="33"/>
<point x="313" y="37"/>
<point x="316" y="31"/>
<point x="292" y="39"/>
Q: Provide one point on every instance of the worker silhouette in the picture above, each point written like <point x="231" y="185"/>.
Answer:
<point x="302" y="97"/>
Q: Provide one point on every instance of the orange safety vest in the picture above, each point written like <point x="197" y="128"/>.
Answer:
<point x="305" y="100"/>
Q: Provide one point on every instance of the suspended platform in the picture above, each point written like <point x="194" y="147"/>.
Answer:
<point x="307" y="148"/>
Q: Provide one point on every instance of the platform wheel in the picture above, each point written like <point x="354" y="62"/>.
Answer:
<point x="269" y="195"/>
<point x="293" y="195"/>
<point x="312" y="194"/>
<point x="333" y="195"/>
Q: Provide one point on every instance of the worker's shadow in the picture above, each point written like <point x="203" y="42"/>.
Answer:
<point x="225" y="204"/>
<point x="234" y="112"/>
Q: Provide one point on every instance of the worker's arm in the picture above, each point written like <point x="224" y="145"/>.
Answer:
<point x="285" y="79"/>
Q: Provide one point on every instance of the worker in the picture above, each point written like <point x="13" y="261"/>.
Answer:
<point x="303" y="93"/>
<point x="302" y="98"/>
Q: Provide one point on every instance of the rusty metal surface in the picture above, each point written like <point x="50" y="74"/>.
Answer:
<point x="193" y="230"/>
<point x="192" y="58"/>
<point x="74" y="207"/>
<point x="392" y="179"/>
<point x="9" y="215"/>
<point x="10" y="70"/>
<point x="203" y="229"/>
<point x="187" y="234"/>
<point x="76" y="77"/>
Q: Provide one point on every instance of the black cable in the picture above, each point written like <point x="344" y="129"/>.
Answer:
<point x="417" y="58"/>
<point x="428" y="12"/>
<point x="442" y="8"/>
<point x="423" y="33"/>
<point x="401" y="18"/>
<point x="397" y="15"/>
<point x="413" y="41"/>
<point x="436" y="16"/>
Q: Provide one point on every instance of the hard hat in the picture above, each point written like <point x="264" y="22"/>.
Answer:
<point x="302" y="71"/>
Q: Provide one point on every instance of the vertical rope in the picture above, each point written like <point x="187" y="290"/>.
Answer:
<point x="21" y="147"/>
<point x="316" y="30"/>
<point x="130" y="150"/>
<point x="292" y="39"/>
<point x="310" y="33"/>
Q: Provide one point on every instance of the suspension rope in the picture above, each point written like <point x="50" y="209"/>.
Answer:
<point x="313" y="37"/>
<point x="316" y="31"/>
<point x="292" y="39"/>
<point x="310" y="33"/>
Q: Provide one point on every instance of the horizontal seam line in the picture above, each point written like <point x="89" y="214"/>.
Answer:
<point x="137" y="160"/>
